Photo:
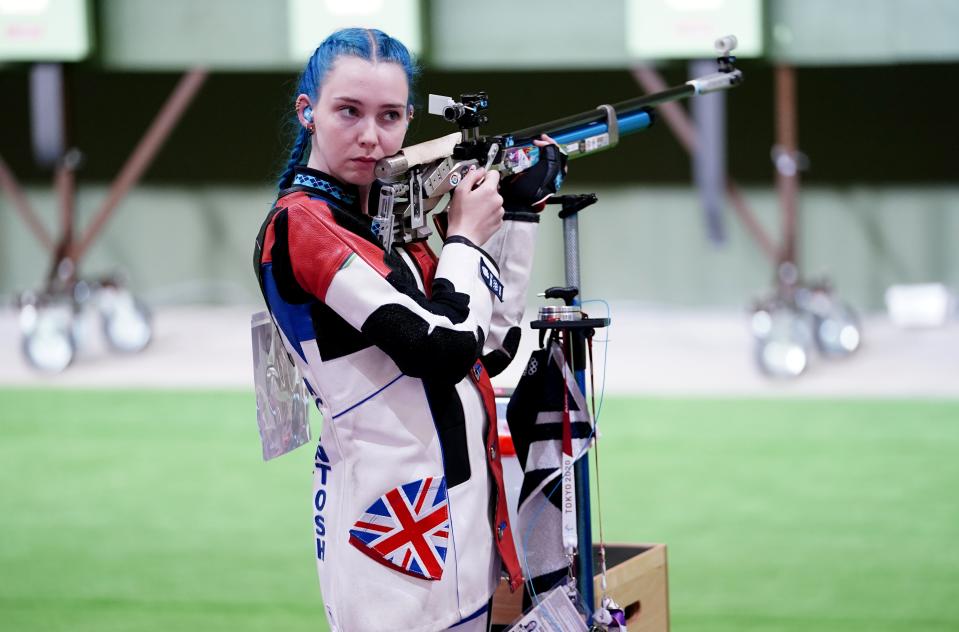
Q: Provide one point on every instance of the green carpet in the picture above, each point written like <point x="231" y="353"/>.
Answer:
<point x="139" y="511"/>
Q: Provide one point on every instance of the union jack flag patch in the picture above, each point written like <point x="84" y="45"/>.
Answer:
<point x="407" y="528"/>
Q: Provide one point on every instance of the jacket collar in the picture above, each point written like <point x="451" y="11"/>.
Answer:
<point x="318" y="184"/>
<point x="343" y="200"/>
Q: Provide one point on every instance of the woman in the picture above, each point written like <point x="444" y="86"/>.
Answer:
<point x="410" y="519"/>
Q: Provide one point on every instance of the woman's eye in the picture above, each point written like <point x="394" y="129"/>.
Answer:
<point x="349" y="110"/>
<point x="392" y="115"/>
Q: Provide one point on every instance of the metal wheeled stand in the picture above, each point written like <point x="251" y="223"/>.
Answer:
<point x="798" y="316"/>
<point x="51" y="319"/>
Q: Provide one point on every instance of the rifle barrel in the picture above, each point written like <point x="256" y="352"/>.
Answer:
<point x="581" y="134"/>
<point x="632" y="116"/>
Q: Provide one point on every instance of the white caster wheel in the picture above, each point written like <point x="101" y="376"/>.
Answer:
<point x="48" y="343"/>
<point x="126" y="320"/>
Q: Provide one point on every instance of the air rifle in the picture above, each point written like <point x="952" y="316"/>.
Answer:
<point x="412" y="182"/>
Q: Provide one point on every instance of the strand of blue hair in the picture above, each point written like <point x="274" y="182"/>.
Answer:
<point x="372" y="45"/>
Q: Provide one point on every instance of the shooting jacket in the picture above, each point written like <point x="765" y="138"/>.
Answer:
<point x="397" y="349"/>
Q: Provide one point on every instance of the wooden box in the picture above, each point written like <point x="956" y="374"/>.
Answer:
<point x="636" y="579"/>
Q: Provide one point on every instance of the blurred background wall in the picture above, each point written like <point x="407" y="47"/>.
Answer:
<point x="878" y="204"/>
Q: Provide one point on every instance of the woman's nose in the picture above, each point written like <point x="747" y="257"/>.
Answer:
<point x="367" y="135"/>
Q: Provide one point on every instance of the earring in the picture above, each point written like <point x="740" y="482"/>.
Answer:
<point x="309" y="129"/>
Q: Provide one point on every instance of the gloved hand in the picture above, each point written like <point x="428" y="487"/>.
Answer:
<point x="528" y="190"/>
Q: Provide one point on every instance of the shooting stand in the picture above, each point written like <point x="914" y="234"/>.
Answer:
<point x="636" y="576"/>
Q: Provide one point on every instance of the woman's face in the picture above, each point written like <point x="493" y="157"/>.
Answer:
<point x="361" y="117"/>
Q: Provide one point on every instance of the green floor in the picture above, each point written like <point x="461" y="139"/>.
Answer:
<point x="153" y="511"/>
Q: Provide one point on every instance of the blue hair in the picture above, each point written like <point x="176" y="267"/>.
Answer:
<point x="372" y="45"/>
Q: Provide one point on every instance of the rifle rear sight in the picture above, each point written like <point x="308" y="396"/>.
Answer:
<point x="467" y="113"/>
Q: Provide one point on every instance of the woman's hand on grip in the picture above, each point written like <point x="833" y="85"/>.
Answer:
<point x="476" y="211"/>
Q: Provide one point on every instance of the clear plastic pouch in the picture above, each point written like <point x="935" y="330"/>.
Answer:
<point x="560" y="609"/>
<point x="282" y="401"/>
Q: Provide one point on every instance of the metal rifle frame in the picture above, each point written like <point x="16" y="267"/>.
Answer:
<point x="439" y="166"/>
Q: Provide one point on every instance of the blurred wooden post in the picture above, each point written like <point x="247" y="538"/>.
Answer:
<point x="786" y="157"/>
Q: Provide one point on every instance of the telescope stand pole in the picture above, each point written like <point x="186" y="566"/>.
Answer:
<point x="584" y="530"/>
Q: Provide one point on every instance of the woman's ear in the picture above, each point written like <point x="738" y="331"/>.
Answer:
<point x="409" y="113"/>
<point x="304" y="111"/>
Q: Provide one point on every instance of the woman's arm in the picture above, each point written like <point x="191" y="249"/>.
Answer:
<point x="513" y="247"/>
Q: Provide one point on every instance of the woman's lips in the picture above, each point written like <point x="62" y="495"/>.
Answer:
<point x="364" y="161"/>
